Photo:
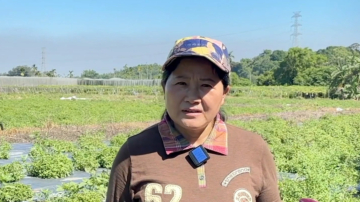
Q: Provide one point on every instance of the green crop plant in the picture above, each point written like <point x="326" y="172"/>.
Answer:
<point x="5" y="148"/>
<point x="15" y="192"/>
<point x="12" y="172"/>
<point x="107" y="156"/>
<point x="47" y="164"/>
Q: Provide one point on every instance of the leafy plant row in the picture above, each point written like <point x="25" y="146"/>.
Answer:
<point x="5" y="148"/>
<point x="51" y="158"/>
<point x="323" y="155"/>
<point x="92" y="190"/>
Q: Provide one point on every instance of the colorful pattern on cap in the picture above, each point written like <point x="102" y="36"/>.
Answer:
<point x="173" y="141"/>
<point x="212" y="49"/>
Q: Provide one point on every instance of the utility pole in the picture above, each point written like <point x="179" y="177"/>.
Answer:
<point x="43" y="67"/>
<point x="296" y="25"/>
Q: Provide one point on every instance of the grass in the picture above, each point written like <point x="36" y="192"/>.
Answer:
<point x="29" y="110"/>
<point x="37" y="111"/>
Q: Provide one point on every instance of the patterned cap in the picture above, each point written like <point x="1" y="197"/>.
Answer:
<point x="213" y="50"/>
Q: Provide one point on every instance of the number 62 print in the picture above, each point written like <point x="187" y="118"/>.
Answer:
<point x="153" y="191"/>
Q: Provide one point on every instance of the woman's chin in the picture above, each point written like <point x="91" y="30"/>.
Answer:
<point x="192" y="124"/>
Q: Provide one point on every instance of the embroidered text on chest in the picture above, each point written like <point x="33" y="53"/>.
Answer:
<point x="233" y="174"/>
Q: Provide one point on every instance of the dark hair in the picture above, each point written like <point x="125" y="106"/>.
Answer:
<point x="225" y="79"/>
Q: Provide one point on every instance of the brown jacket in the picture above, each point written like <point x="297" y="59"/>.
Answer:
<point x="143" y="171"/>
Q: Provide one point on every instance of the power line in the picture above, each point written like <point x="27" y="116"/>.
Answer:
<point x="216" y="36"/>
<point x="43" y="67"/>
<point x="296" y="26"/>
<point x="154" y="44"/>
<point x="171" y="43"/>
<point x="152" y="54"/>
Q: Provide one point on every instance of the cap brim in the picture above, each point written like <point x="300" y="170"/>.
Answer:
<point x="189" y="54"/>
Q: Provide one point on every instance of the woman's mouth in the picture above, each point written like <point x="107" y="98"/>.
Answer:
<point x="192" y="111"/>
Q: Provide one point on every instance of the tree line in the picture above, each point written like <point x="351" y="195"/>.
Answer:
<point x="337" y="67"/>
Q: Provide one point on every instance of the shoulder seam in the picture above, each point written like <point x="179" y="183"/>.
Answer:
<point x="262" y="165"/>
<point x="130" y="168"/>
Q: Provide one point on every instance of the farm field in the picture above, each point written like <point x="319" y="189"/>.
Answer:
<point x="315" y="141"/>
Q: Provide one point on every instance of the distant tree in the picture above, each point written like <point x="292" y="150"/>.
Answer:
<point x="263" y="63"/>
<point x="243" y="68"/>
<point x="141" y="71"/>
<point x="235" y="79"/>
<point x="336" y="55"/>
<point x="355" y="47"/>
<point x="51" y="73"/>
<point x="345" y="80"/>
<point x="314" y="76"/>
<point x="278" y="55"/>
<point x="71" y="74"/>
<point x="267" y="79"/>
<point x="297" y="60"/>
<point x="90" y="74"/>
<point x="107" y="76"/>
<point x="231" y="58"/>
<point x="36" y="71"/>
<point x="24" y="70"/>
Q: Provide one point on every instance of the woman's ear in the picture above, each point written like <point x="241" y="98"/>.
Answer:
<point x="163" y="88"/>
<point x="226" y="92"/>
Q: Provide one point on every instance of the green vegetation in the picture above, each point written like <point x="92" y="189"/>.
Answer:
<point x="5" y="148"/>
<point x="12" y="172"/>
<point x="323" y="153"/>
<point x="38" y="111"/>
<point x="15" y="192"/>
<point x="249" y="91"/>
<point x="315" y="140"/>
<point x="45" y="164"/>
<point x="41" y="110"/>
<point x="92" y="190"/>
<point x="50" y="158"/>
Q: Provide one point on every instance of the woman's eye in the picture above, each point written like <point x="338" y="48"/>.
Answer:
<point x="180" y="83"/>
<point x="207" y="85"/>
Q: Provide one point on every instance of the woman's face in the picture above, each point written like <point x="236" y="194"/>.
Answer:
<point x="194" y="94"/>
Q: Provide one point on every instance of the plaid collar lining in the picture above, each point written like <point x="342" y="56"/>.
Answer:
<point x="174" y="142"/>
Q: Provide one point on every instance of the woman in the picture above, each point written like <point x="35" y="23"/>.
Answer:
<point x="192" y="154"/>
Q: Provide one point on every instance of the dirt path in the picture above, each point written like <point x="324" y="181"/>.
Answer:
<point x="297" y="115"/>
<point x="71" y="133"/>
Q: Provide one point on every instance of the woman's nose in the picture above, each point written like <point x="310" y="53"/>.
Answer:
<point x="193" y="95"/>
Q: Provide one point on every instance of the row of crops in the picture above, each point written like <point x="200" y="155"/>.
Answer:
<point x="53" y="159"/>
<point x="250" y="91"/>
<point x="323" y="154"/>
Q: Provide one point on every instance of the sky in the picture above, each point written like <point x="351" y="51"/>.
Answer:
<point x="102" y="35"/>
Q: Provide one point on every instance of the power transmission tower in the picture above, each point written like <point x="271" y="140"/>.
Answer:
<point x="43" y="67"/>
<point x="296" y="26"/>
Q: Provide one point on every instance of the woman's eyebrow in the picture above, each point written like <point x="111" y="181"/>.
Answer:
<point x="202" y="79"/>
<point x="208" y="79"/>
<point x="182" y="77"/>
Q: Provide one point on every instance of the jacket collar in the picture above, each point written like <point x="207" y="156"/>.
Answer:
<point x="174" y="141"/>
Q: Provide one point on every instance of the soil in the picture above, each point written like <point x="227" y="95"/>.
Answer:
<point x="72" y="133"/>
<point x="298" y="116"/>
